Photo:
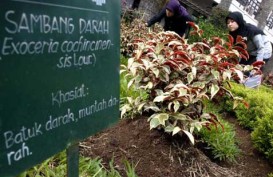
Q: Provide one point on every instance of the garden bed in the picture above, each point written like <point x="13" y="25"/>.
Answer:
<point x="154" y="154"/>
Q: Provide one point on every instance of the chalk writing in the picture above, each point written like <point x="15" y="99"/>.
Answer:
<point x="20" y="137"/>
<point x="18" y="154"/>
<point x="14" y="138"/>
<point x="61" y="96"/>
<point x="12" y="47"/>
<point x="42" y="23"/>
<point x="97" y="106"/>
<point x="93" y="26"/>
<point x="24" y="134"/>
<point x="85" y="45"/>
<point x="32" y="23"/>
<point x="68" y="61"/>
<point x="55" y="122"/>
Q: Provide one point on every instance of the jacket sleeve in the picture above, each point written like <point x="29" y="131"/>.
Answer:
<point x="259" y="43"/>
<point x="157" y="18"/>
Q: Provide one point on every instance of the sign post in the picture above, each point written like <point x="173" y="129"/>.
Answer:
<point x="59" y="77"/>
<point x="72" y="155"/>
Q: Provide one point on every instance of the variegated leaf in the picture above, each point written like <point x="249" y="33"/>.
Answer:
<point x="176" y="106"/>
<point x="182" y="92"/>
<point x="156" y="72"/>
<point x="214" y="90"/>
<point x="216" y="74"/>
<point x="146" y="64"/>
<point x="240" y="75"/>
<point x="160" y="98"/>
<point x="154" y="122"/>
<point x="125" y="109"/>
<point x="194" y="71"/>
<point x="169" y="128"/>
<point x="190" y="136"/>
<point x="152" y="107"/>
<point x="167" y="69"/>
<point x="180" y="117"/>
<point x="140" y="106"/>
<point x="176" y="130"/>
<point x="130" y="83"/>
<point x="226" y="75"/>
<point x="130" y="62"/>
<point x="170" y="106"/>
<point x="162" y="118"/>
<point x="199" y="84"/>
<point x="190" y="77"/>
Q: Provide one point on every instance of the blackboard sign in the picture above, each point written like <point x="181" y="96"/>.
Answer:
<point x="59" y="76"/>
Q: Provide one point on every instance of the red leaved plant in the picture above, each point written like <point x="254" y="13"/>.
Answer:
<point x="178" y="76"/>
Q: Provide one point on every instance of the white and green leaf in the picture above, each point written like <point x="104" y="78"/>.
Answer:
<point x="214" y="90"/>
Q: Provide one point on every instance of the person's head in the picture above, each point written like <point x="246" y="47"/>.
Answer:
<point x="234" y="21"/>
<point x="169" y="13"/>
<point x="172" y="8"/>
<point x="232" y="25"/>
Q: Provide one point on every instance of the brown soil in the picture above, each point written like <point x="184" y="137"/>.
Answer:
<point x="156" y="154"/>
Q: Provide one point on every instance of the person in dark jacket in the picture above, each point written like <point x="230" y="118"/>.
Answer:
<point x="258" y="46"/>
<point x="175" y="16"/>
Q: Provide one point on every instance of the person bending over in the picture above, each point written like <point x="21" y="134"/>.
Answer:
<point x="175" y="16"/>
<point x="258" y="46"/>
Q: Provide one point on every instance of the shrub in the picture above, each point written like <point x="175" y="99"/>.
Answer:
<point x="218" y="18"/>
<point x="262" y="136"/>
<point x="210" y="31"/>
<point x="178" y="75"/>
<point x="130" y="96"/>
<point x="259" y="102"/>
<point x="258" y="117"/>
<point x="221" y="142"/>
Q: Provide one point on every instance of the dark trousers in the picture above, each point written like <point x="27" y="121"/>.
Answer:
<point x="251" y="60"/>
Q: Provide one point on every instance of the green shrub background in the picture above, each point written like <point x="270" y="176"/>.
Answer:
<point x="258" y="117"/>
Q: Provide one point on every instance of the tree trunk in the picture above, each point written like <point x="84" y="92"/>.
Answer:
<point x="268" y="68"/>
<point x="261" y="17"/>
<point x="225" y="4"/>
<point x="264" y="11"/>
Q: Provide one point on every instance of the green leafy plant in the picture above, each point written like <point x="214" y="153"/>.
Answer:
<point x="130" y="97"/>
<point x="262" y="136"/>
<point x="178" y="76"/>
<point x="259" y="104"/>
<point x="258" y="117"/>
<point x="221" y="142"/>
<point x="218" y="18"/>
<point x="130" y="169"/>
<point x="210" y="32"/>
<point x="56" y="167"/>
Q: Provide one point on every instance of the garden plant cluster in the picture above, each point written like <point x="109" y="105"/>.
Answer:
<point x="172" y="81"/>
